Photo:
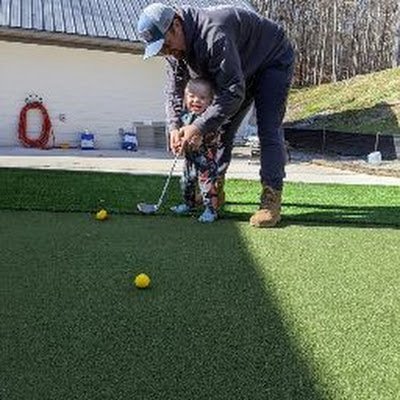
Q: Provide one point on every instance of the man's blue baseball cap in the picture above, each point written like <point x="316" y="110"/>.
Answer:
<point x="154" y="22"/>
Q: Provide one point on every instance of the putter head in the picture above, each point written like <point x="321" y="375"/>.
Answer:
<point x="147" y="208"/>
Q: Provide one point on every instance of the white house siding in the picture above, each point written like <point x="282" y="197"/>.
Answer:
<point x="94" y="90"/>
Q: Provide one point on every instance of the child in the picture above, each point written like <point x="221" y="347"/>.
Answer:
<point x="200" y="165"/>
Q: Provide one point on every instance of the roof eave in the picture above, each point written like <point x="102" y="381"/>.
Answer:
<point x="70" y="40"/>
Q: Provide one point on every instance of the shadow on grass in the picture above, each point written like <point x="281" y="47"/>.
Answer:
<point x="319" y="214"/>
<point x="73" y="326"/>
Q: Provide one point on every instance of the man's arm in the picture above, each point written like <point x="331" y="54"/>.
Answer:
<point x="177" y="77"/>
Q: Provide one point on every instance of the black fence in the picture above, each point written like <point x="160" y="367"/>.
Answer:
<point x="344" y="144"/>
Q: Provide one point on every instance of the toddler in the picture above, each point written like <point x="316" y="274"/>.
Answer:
<point x="200" y="165"/>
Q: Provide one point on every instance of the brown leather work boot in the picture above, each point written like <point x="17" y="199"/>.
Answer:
<point x="269" y="213"/>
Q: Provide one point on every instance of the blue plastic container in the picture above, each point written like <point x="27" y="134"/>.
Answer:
<point x="129" y="141"/>
<point x="87" y="141"/>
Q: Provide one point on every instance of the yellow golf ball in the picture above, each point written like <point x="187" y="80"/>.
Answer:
<point x="142" y="281"/>
<point x="101" y="215"/>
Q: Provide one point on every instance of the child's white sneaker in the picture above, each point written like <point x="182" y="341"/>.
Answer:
<point x="181" y="209"/>
<point x="208" y="216"/>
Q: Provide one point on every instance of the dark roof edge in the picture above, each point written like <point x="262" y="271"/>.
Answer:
<point x="66" y="40"/>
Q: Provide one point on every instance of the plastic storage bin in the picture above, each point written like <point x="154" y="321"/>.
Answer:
<point x="87" y="140"/>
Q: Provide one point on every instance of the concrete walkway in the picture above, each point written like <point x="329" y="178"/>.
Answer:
<point x="159" y="162"/>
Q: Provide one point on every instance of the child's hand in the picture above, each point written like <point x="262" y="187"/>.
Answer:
<point x="191" y="137"/>
<point x="175" y="141"/>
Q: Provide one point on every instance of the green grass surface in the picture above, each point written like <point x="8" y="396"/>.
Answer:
<point x="119" y="193"/>
<point x="293" y="313"/>
<point x="364" y="104"/>
<point x="308" y="311"/>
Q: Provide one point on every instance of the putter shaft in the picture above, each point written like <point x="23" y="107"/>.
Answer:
<point x="153" y="208"/>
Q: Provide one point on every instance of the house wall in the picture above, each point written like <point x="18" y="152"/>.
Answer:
<point x="94" y="90"/>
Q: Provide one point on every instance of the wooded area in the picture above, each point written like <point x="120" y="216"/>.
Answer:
<point x="337" y="39"/>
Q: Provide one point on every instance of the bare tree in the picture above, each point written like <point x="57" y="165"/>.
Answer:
<point x="337" y="39"/>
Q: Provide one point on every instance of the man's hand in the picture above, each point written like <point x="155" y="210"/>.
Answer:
<point x="191" y="137"/>
<point x="175" y="139"/>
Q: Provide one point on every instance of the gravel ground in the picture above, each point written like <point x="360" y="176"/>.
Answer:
<point x="385" y="168"/>
<point x="356" y="164"/>
<point x="303" y="167"/>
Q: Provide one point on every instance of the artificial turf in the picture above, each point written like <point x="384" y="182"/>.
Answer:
<point x="308" y="311"/>
<point x="119" y="193"/>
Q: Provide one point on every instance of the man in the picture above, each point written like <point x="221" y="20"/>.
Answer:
<point x="248" y="58"/>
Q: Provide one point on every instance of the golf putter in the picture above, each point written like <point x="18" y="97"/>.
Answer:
<point x="146" y="208"/>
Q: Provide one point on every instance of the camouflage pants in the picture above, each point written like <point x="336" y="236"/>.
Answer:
<point x="202" y="169"/>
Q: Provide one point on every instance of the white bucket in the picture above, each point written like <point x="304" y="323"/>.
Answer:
<point x="374" y="158"/>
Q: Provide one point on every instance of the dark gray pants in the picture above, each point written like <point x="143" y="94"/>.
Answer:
<point x="269" y="90"/>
